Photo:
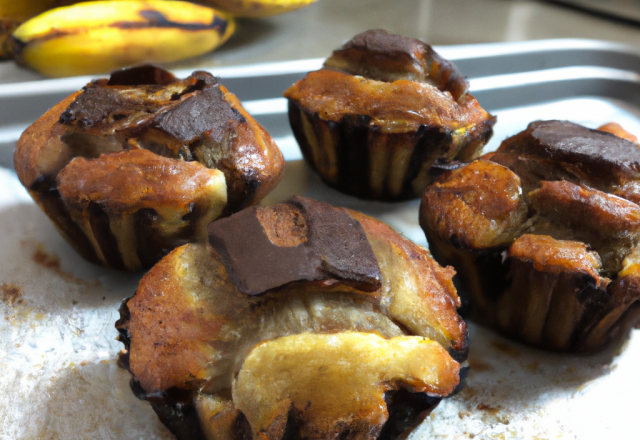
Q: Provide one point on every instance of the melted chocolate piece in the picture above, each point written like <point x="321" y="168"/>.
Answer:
<point x="384" y="44"/>
<point x="330" y="245"/>
<point x="205" y="111"/>
<point x="191" y="116"/>
<point x="594" y="157"/>
<point x="383" y="56"/>
<point x="562" y="139"/>
<point x="146" y="74"/>
<point x="93" y="105"/>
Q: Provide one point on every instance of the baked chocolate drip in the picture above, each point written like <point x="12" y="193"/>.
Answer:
<point x="406" y="411"/>
<point x="318" y="243"/>
<point x="146" y="74"/>
<point x="383" y="56"/>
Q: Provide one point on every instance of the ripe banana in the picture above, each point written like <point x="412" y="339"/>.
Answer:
<point x="12" y="9"/>
<point x="97" y="37"/>
<point x="13" y="13"/>
<point x="256" y="8"/>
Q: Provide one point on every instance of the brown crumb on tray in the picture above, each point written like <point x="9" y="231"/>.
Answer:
<point x="506" y="349"/>
<point x="494" y="412"/>
<point x="488" y="408"/>
<point x="10" y="294"/>
<point x="41" y="257"/>
<point x="479" y="366"/>
<point x="52" y="261"/>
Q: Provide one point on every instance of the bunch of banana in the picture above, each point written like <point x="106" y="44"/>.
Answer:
<point x="256" y="8"/>
<point x="97" y="37"/>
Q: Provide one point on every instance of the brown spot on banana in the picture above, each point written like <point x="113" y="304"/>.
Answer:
<point x="156" y="19"/>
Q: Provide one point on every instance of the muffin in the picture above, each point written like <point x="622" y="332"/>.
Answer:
<point x="131" y="167"/>
<point x="544" y="235"/>
<point x="381" y="112"/>
<point x="297" y="320"/>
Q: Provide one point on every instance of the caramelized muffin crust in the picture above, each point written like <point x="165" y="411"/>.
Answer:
<point x="396" y="107"/>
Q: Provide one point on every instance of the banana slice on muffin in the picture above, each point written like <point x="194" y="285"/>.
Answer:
<point x="297" y="320"/>
<point x="544" y="234"/>
<point x="131" y="167"/>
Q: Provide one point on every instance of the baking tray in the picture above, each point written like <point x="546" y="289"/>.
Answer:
<point x="58" y="374"/>
<point x="625" y="10"/>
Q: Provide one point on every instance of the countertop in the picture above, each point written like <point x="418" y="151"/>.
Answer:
<point x="313" y="32"/>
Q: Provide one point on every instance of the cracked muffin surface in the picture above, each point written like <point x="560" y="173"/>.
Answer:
<point x="544" y="234"/>
<point x="381" y="112"/>
<point x="131" y="167"/>
<point x="316" y="322"/>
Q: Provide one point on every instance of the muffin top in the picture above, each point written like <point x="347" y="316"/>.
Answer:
<point x="382" y="56"/>
<point x="195" y="119"/>
<point x="555" y="178"/>
<point x="396" y="83"/>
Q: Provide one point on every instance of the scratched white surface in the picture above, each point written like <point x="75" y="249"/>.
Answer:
<point x="58" y="375"/>
<point x="59" y="378"/>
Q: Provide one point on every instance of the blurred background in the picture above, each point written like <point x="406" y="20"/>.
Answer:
<point x="315" y="30"/>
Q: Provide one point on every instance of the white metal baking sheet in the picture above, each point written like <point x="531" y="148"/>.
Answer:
<point x="58" y="374"/>
<point x="57" y="339"/>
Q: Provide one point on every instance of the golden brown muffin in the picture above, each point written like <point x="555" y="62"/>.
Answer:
<point x="544" y="234"/>
<point x="298" y="320"/>
<point x="134" y="166"/>
<point x="381" y="112"/>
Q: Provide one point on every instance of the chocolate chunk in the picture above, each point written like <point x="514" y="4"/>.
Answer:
<point x="141" y="75"/>
<point x="205" y="111"/>
<point x="603" y="158"/>
<point x="565" y="138"/>
<point x="94" y="105"/>
<point x="383" y="56"/>
<point x="299" y="239"/>
<point x="388" y="45"/>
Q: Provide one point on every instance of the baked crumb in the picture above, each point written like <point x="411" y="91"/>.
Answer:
<point x="10" y="294"/>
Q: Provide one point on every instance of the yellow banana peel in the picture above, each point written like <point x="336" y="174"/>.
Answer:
<point x="24" y="9"/>
<point x="97" y="37"/>
<point x="256" y="8"/>
<point x="13" y="13"/>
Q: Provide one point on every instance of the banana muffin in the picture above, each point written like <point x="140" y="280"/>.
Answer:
<point x="544" y="235"/>
<point x="296" y="320"/>
<point x="381" y="112"/>
<point x="133" y="166"/>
